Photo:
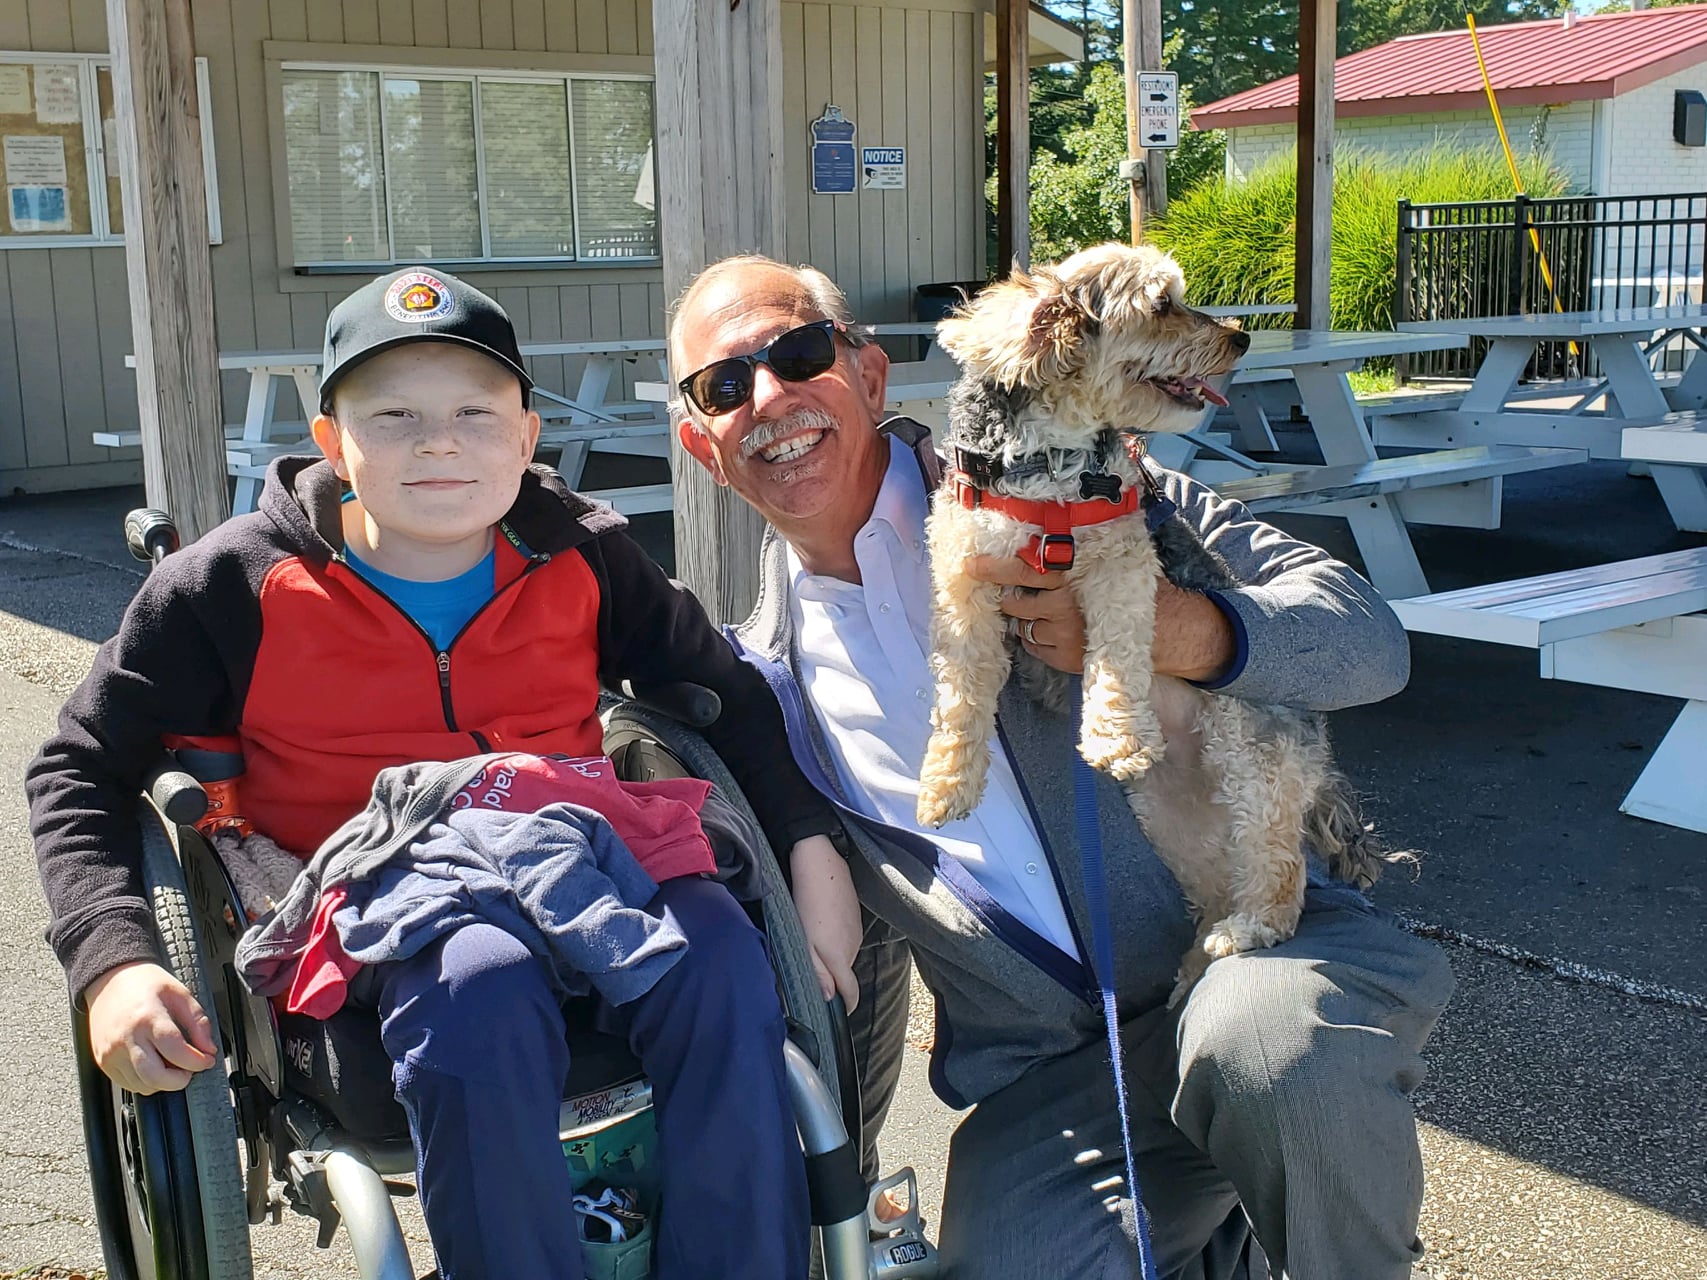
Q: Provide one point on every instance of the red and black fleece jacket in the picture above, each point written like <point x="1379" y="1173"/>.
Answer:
<point x="262" y="631"/>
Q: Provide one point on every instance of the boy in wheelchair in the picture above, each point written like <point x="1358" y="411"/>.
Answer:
<point x="423" y="594"/>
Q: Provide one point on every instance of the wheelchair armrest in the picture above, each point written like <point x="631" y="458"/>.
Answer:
<point x="692" y="704"/>
<point x="175" y="793"/>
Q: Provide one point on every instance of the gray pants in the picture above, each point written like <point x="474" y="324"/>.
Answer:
<point x="1276" y="1102"/>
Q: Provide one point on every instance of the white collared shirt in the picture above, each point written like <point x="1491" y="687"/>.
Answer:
<point x="864" y="665"/>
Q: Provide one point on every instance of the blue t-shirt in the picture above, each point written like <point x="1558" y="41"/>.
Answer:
<point x="441" y="609"/>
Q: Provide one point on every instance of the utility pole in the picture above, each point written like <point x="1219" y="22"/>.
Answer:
<point x="1013" y="135"/>
<point x="1146" y="171"/>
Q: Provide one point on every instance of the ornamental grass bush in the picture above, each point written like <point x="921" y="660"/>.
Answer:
<point x="1234" y="240"/>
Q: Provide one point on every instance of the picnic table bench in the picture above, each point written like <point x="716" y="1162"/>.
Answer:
<point x="1637" y="624"/>
<point x="1675" y="450"/>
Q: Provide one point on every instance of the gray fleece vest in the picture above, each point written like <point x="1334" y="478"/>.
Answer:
<point x="1006" y="998"/>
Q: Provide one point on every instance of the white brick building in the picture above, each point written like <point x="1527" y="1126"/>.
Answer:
<point x="1600" y="92"/>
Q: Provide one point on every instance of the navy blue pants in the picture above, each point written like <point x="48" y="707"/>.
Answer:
<point x="477" y="1039"/>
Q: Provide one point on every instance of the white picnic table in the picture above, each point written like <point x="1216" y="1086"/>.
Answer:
<point x="1633" y="394"/>
<point x="592" y="421"/>
<point x="1450" y="486"/>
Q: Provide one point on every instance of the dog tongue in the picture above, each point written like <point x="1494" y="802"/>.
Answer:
<point x="1208" y="392"/>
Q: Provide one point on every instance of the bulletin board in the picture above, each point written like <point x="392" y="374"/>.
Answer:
<point x="44" y="161"/>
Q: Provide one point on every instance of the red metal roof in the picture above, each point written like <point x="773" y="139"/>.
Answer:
<point x="1529" y="62"/>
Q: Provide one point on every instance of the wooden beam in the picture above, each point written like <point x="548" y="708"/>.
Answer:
<point x="1013" y="134"/>
<point x="719" y="168"/>
<point x="167" y="261"/>
<point x="1141" y="50"/>
<point x="1317" y="20"/>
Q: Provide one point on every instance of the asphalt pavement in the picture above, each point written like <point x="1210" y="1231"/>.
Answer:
<point x="1564" y="1120"/>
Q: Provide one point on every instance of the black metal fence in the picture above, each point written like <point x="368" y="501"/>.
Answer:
<point x="1495" y="257"/>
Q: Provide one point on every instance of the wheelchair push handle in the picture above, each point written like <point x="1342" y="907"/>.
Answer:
<point x="176" y="794"/>
<point x="150" y="534"/>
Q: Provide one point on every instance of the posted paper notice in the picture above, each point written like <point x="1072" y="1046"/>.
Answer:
<point x="35" y="161"/>
<point x="14" y="91"/>
<point x="38" y="208"/>
<point x="58" y="99"/>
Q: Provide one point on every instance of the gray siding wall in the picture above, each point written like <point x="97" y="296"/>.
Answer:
<point x="909" y="75"/>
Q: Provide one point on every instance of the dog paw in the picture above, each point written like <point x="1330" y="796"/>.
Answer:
<point x="1238" y="933"/>
<point x="1119" y="754"/>
<point x="938" y="805"/>
<point x="951" y="779"/>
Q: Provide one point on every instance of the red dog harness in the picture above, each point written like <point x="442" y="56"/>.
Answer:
<point x="1053" y="548"/>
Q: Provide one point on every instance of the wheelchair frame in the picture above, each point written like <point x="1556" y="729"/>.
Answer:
<point x="172" y="1200"/>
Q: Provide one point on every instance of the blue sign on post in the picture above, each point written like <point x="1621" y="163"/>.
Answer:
<point x="835" y="168"/>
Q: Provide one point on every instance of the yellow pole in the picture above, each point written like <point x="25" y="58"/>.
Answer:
<point x="1511" y="163"/>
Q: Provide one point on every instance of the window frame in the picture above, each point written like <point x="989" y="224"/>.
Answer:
<point x="475" y="75"/>
<point x="101" y="233"/>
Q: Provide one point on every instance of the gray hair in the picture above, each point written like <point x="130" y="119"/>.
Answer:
<point x="821" y="294"/>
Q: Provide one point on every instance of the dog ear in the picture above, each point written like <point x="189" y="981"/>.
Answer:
<point x="1023" y="331"/>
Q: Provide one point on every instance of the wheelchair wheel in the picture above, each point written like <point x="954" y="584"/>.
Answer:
<point x="629" y="723"/>
<point x="169" y="1194"/>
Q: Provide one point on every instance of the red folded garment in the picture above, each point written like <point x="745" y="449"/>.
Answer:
<point x="658" y="821"/>
<point x="323" y="973"/>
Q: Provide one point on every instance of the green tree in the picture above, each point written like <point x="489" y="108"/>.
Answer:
<point x="1077" y="197"/>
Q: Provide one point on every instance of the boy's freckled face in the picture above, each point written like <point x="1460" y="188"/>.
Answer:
<point x="434" y="439"/>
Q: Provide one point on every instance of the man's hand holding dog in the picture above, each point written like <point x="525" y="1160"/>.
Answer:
<point x="1194" y="639"/>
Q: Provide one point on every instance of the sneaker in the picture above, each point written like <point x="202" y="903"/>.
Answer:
<point x="611" y="1217"/>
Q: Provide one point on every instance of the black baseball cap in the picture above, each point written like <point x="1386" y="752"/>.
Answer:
<point x="416" y="304"/>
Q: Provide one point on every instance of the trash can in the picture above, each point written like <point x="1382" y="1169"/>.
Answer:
<point x="933" y="302"/>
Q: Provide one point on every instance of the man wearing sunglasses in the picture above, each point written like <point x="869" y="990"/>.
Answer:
<point x="1270" y="1114"/>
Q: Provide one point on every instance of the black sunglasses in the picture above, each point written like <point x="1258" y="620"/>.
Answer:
<point x="796" y="356"/>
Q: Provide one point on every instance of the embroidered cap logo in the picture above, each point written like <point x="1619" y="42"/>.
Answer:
<point x="417" y="297"/>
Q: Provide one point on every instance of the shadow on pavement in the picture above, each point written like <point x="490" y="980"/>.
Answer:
<point x="1508" y="785"/>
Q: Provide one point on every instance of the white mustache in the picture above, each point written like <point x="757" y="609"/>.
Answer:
<point x="766" y="434"/>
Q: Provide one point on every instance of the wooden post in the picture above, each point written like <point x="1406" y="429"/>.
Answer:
<point x="1013" y="134"/>
<point x="166" y="258"/>
<point x="1316" y="25"/>
<point x="1141" y="50"/>
<point x="719" y="178"/>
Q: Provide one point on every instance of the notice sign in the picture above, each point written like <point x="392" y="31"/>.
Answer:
<point x="885" y="168"/>
<point x="38" y="209"/>
<point x="58" y="100"/>
<point x="835" y="171"/>
<point x="1158" y="110"/>
<point x="35" y="161"/>
<point x="14" y="91"/>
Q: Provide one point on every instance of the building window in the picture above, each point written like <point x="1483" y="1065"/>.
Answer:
<point x="61" y="159"/>
<point x="391" y="165"/>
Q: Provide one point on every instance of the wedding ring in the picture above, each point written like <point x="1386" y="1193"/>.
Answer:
<point x="1028" y="630"/>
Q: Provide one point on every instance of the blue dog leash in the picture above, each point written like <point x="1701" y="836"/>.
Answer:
<point x="1102" y="946"/>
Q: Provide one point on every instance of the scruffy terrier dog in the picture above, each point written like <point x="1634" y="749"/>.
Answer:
<point x="1064" y="373"/>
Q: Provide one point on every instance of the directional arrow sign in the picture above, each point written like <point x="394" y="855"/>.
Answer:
<point x="1158" y="110"/>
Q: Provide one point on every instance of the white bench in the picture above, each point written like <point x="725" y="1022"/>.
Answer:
<point x="1334" y="490"/>
<point x="1675" y="453"/>
<point x="1636" y="625"/>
